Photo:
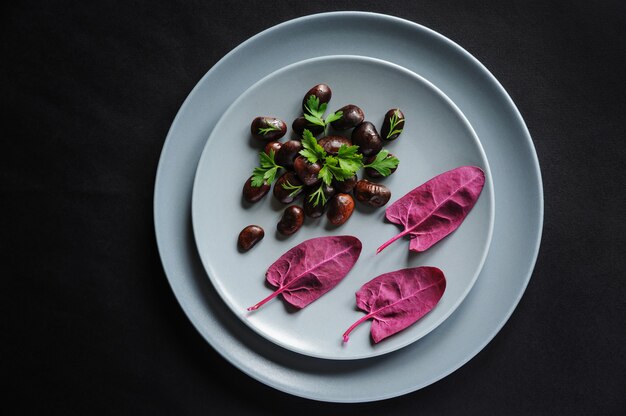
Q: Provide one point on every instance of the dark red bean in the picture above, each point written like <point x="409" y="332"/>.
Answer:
<point x="346" y="186"/>
<point x="288" y="188"/>
<point x="393" y="124"/>
<point x="291" y="221"/>
<point x="372" y="194"/>
<point x="288" y="153"/>
<point x="254" y="193"/>
<point x="302" y="123"/>
<point x="249" y="236"/>
<point x="307" y="171"/>
<point x="268" y="128"/>
<point x="340" y="208"/>
<point x="367" y="138"/>
<point x="321" y="91"/>
<point x="275" y="146"/>
<point x="331" y="144"/>
<point x="352" y="116"/>
<point x="312" y="210"/>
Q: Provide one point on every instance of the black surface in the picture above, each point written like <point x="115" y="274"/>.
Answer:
<point x="90" y="325"/>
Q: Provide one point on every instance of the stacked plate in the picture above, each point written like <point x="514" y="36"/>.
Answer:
<point x="457" y="114"/>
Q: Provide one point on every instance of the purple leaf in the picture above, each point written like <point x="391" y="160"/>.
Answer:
<point x="312" y="268"/>
<point x="398" y="299"/>
<point x="436" y="208"/>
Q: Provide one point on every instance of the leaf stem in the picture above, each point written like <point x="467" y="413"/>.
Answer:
<point x="346" y="335"/>
<point x="267" y="299"/>
<point x="396" y="237"/>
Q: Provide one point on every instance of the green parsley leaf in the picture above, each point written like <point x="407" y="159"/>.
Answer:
<point x="349" y="158"/>
<point x="318" y="197"/>
<point x="294" y="188"/>
<point x="266" y="172"/>
<point x="315" y="120"/>
<point x="314" y="108"/>
<point x="265" y="130"/>
<point x="383" y="163"/>
<point x="316" y="112"/>
<point x="312" y="151"/>
<point x="333" y="117"/>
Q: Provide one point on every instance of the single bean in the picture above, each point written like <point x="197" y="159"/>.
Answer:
<point x="254" y="193"/>
<point x="268" y="128"/>
<point x="346" y="186"/>
<point x="393" y="124"/>
<point x="307" y="171"/>
<point x="249" y="236"/>
<point x="291" y="221"/>
<point x="367" y="138"/>
<point x="302" y="123"/>
<point x="372" y="194"/>
<point x="321" y="91"/>
<point x="288" y="188"/>
<point x="312" y="210"/>
<point x="275" y="146"/>
<point x="331" y="144"/>
<point x="351" y="117"/>
<point x="340" y="208"/>
<point x="288" y="153"/>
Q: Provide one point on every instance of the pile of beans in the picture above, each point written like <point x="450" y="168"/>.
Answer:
<point x="300" y="178"/>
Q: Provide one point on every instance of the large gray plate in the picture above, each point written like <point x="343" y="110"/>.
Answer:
<point x="516" y="180"/>
<point x="436" y="138"/>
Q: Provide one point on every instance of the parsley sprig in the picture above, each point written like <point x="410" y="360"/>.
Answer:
<point x="291" y="187"/>
<point x="312" y="151"/>
<point x="315" y="112"/>
<point x="383" y="163"/>
<point x="339" y="167"/>
<point x="318" y="197"/>
<point x="270" y="127"/>
<point x="266" y="171"/>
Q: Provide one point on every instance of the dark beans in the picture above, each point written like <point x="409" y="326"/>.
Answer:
<point x="275" y="146"/>
<point x="373" y="173"/>
<point x="331" y="144"/>
<point x="340" y="208"/>
<point x="288" y="188"/>
<point x="352" y="116"/>
<point x="367" y="138"/>
<point x="292" y="220"/>
<point x="321" y="91"/>
<point x="312" y="210"/>
<point x="372" y="194"/>
<point x="268" y="128"/>
<point x="249" y="236"/>
<point x="254" y="193"/>
<point x="346" y="186"/>
<point x="302" y="123"/>
<point x="307" y="171"/>
<point x="288" y="153"/>
<point x="392" y="124"/>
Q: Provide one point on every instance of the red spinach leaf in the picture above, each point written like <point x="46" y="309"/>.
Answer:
<point x="436" y="208"/>
<point x="312" y="268"/>
<point x="398" y="299"/>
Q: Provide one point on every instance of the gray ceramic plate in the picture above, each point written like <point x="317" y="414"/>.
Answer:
<point x="436" y="138"/>
<point x="514" y="172"/>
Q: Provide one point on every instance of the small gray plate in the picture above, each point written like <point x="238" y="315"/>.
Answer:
<point x="436" y="138"/>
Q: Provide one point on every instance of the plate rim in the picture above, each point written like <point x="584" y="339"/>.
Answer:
<point x="179" y="291"/>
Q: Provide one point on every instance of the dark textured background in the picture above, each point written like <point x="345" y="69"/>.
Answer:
<point x="90" y="325"/>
